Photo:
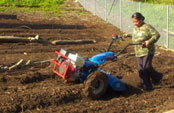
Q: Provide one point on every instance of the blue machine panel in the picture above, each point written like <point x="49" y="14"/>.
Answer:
<point x="102" y="57"/>
<point x="115" y="83"/>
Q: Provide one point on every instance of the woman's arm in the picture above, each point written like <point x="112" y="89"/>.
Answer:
<point x="154" y="35"/>
<point x="127" y="35"/>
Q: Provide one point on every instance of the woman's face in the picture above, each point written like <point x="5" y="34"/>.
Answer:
<point x="137" y="22"/>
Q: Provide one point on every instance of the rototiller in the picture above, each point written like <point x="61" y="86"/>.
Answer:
<point x="71" y="67"/>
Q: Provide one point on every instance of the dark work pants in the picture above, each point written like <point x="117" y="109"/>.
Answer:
<point x="147" y="72"/>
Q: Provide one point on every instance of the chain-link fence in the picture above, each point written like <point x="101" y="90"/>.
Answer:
<point x="119" y="12"/>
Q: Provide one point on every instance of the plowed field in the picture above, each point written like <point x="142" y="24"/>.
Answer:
<point x="35" y="89"/>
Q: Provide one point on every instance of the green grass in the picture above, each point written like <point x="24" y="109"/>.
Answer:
<point x="41" y="3"/>
<point x="49" y="7"/>
<point x="169" y="2"/>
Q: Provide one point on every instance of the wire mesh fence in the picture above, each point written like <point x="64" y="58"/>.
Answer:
<point x="119" y="12"/>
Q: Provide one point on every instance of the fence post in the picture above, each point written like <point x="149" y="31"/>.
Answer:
<point x="120" y="15"/>
<point x="94" y="7"/>
<point x="140" y="7"/>
<point x="84" y="4"/>
<point x="167" y="38"/>
<point x="105" y="10"/>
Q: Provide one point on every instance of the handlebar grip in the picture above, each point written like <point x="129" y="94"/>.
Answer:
<point x="117" y="37"/>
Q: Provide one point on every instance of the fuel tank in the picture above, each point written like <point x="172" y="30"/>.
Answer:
<point x="102" y="57"/>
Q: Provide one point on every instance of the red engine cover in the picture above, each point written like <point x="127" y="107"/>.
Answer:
<point x="63" y="68"/>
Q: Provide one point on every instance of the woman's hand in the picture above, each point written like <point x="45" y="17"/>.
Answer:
<point x="146" y="43"/>
<point x="126" y="35"/>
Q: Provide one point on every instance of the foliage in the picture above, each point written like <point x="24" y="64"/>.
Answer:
<point x="49" y="6"/>
<point x="169" y="2"/>
<point x="31" y="2"/>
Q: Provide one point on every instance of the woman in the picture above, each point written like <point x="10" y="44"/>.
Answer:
<point x="146" y="34"/>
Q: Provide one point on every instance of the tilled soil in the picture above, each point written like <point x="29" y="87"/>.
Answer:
<point x="37" y="89"/>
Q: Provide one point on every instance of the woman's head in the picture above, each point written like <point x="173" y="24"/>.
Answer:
<point x="138" y="19"/>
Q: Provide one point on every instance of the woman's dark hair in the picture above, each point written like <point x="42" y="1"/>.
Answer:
<point x="138" y="16"/>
